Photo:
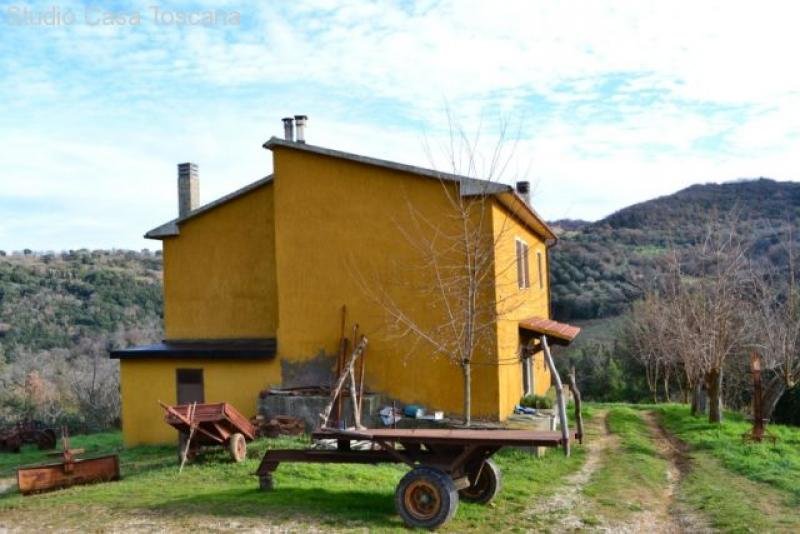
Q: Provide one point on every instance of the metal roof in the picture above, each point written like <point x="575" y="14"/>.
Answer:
<point x="212" y="348"/>
<point x="468" y="187"/>
<point x="170" y="228"/>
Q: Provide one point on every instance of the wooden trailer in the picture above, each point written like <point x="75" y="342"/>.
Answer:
<point x="209" y="424"/>
<point x="446" y="465"/>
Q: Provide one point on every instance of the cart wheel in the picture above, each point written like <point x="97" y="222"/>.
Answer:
<point x="237" y="446"/>
<point x="46" y="439"/>
<point x="486" y="481"/>
<point x="426" y="498"/>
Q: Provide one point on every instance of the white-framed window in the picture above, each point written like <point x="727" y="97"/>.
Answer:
<point x="541" y="269"/>
<point x="523" y="270"/>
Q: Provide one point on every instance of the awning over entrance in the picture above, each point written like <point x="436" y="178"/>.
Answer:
<point x="214" y="349"/>
<point x="557" y="333"/>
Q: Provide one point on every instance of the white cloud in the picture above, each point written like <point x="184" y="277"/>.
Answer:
<point x="619" y="101"/>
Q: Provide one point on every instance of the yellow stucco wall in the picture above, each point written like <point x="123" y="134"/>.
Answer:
<point x="219" y="273"/>
<point x="339" y="238"/>
<point x="144" y="382"/>
<point x="280" y="262"/>
<point x="515" y="304"/>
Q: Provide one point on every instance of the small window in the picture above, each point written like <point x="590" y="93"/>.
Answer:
<point x="541" y="271"/>
<point x="190" y="386"/>
<point x="523" y="272"/>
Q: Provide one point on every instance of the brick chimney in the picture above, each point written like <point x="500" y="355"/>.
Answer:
<point x="188" y="188"/>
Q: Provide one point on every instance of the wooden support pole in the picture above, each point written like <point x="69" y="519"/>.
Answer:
<point x="340" y="360"/>
<point x="562" y="405"/>
<point x="573" y="386"/>
<point x="347" y="373"/>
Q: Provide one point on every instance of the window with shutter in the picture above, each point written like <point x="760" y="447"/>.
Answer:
<point x="523" y="272"/>
<point x="541" y="271"/>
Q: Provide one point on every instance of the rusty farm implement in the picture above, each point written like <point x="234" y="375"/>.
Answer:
<point x="209" y="425"/>
<point x="70" y="471"/>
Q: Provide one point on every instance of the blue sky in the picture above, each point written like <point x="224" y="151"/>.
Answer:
<point x="608" y="103"/>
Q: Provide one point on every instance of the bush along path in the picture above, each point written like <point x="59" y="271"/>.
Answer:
<point x="639" y="477"/>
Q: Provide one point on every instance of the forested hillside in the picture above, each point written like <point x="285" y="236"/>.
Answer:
<point x="599" y="268"/>
<point x="60" y="314"/>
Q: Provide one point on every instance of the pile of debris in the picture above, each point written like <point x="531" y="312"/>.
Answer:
<point x="280" y="425"/>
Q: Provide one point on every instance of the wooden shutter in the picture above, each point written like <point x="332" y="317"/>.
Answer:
<point x="541" y="273"/>
<point x="520" y="281"/>
<point x="525" y="262"/>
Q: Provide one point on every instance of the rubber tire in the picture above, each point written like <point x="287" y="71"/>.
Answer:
<point x="446" y="492"/>
<point x="237" y="447"/>
<point x="489" y="485"/>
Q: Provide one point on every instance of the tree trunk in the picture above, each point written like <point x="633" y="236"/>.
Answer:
<point x="714" y="387"/>
<point x="467" y="368"/>
<point x="698" y="398"/>
<point x="666" y="386"/>
<point x="772" y="394"/>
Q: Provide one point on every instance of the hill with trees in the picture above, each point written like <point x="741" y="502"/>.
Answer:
<point x="600" y="268"/>
<point x="60" y="313"/>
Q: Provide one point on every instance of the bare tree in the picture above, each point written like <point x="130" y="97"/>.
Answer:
<point x="456" y="270"/>
<point x="708" y="310"/>
<point x="775" y="332"/>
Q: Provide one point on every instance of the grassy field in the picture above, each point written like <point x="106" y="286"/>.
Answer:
<point x="777" y="465"/>
<point x="633" y="473"/>
<point x="215" y="489"/>
<point x="640" y="479"/>
<point x="738" y="486"/>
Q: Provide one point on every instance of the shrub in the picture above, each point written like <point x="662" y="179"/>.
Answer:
<point x="536" y="401"/>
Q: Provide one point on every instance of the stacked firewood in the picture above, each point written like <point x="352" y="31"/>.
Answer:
<point x="280" y="425"/>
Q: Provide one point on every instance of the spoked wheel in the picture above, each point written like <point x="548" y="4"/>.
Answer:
<point x="485" y="482"/>
<point x="426" y="498"/>
<point x="237" y="447"/>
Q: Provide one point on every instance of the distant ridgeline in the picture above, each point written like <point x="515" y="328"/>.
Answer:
<point x="50" y="300"/>
<point x="599" y="268"/>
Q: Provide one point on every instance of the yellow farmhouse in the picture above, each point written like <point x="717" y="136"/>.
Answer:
<point x="254" y="283"/>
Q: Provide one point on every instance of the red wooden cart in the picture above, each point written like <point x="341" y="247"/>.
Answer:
<point x="210" y="424"/>
<point x="445" y="464"/>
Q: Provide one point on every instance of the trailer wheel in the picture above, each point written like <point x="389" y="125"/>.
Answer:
<point x="237" y="446"/>
<point x="426" y="498"/>
<point x="485" y="483"/>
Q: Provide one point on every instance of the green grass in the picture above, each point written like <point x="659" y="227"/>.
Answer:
<point x="733" y="503"/>
<point x="632" y="475"/>
<point x="332" y="495"/>
<point x="777" y="465"/>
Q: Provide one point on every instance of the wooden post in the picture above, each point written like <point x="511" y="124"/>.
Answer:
<point x="185" y="453"/>
<point x="340" y="359"/>
<point x="562" y="405"/>
<point x="347" y="373"/>
<point x="758" y="398"/>
<point x="577" y="396"/>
